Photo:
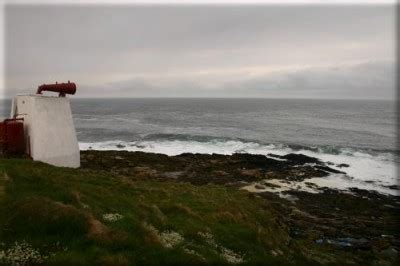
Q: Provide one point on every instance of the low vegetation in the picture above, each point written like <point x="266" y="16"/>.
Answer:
<point x="136" y="208"/>
<point x="53" y="215"/>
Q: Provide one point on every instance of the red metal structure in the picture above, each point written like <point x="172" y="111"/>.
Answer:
<point x="61" y="88"/>
<point x="12" y="140"/>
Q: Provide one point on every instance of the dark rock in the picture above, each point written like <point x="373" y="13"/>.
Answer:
<point x="346" y="242"/>
<point x="273" y="186"/>
<point x="258" y="186"/>
<point x="251" y="173"/>
<point x="300" y="159"/>
<point x="342" y="165"/>
<point x="137" y="146"/>
<point x="257" y="161"/>
<point x="394" y="187"/>
<point x="328" y="169"/>
<point x="274" y="155"/>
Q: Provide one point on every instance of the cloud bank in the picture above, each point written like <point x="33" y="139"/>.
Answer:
<point x="204" y="51"/>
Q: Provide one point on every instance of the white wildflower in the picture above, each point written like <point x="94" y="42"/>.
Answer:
<point x="229" y="255"/>
<point x="112" y="217"/>
<point x="193" y="253"/>
<point x="209" y="238"/>
<point x="21" y="253"/>
<point x="169" y="239"/>
<point x="190" y="252"/>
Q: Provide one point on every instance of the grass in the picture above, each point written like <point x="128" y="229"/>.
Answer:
<point x="60" y="213"/>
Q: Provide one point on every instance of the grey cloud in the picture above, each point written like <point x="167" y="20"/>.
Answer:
<point x="360" y="81"/>
<point x="121" y="51"/>
<point x="357" y="81"/>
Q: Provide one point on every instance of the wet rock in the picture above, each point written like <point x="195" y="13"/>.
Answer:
<point x="270" y="185"/>
<point x="328" y="169"/>
<point x="311" y="185"/>
<point x="137" y="146"/>
<point x="394" y="187"/>
<point x="237" y="184"/>
<point x="274" y="155"/>
<point x="342" y="165"/>
<point x="256" y="161"/>
<point x="300" y="159"/>
<point x="258" y="186"/>
<point x="251" y="173"/>
<point x="346" y="242"/>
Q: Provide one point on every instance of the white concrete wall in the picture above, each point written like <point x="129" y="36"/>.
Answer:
<point x="49" y="129"/>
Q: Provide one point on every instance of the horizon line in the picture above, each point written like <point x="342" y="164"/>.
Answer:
<point x="201" y="97"/>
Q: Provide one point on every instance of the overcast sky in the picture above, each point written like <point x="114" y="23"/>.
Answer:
<point x="271" y="51"/>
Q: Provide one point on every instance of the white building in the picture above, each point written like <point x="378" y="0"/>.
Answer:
<point x="49" y="129"/>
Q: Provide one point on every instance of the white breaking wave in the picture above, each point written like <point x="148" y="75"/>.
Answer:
<point x="366" y="171"/>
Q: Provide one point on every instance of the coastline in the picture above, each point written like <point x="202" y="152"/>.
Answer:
<point x="352" y="220"/>
<point x="121" y="208"/>
<point x="349" y="167"/>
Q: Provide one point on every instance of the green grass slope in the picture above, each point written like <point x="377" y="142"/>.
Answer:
<point x="62" y="216"/>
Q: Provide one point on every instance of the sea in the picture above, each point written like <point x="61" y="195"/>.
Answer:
<point x="359" y="133"/>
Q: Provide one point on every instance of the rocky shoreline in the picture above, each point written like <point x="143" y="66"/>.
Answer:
<point x="359" y="224"/>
